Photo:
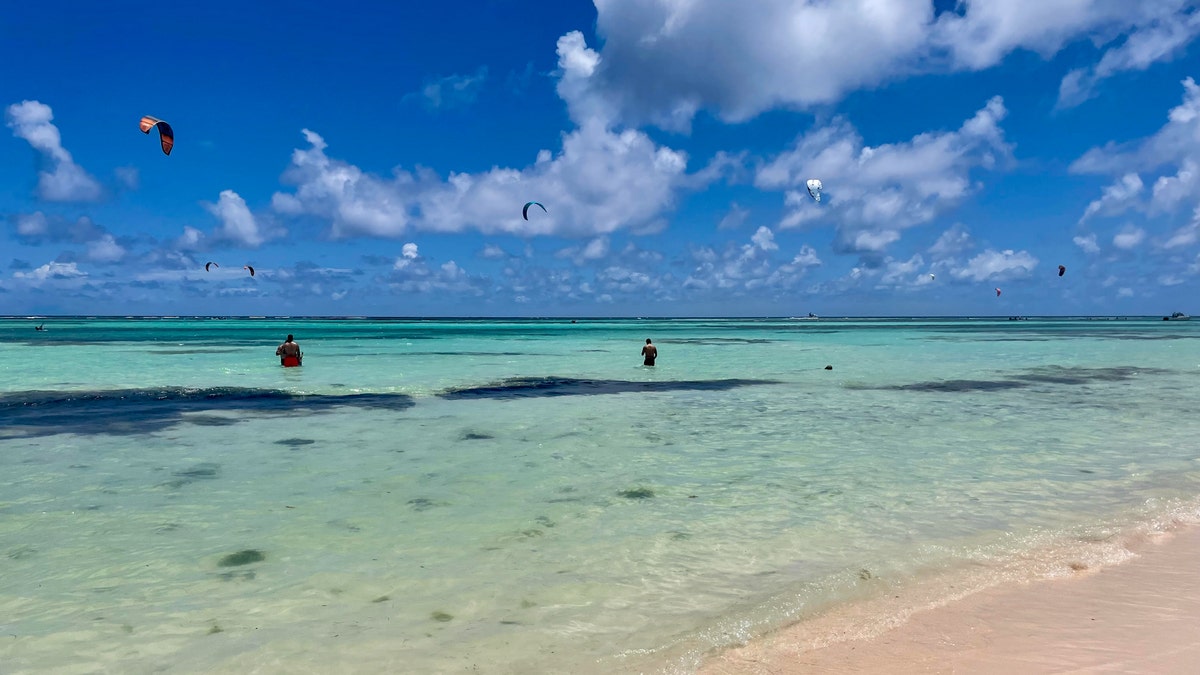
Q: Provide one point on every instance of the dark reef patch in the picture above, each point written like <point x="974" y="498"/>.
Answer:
<point x="1068" y="375"/>
<point x="29" y="414"/>
<point x="295" y="442"/>
<point x="534" y="387"/>
<point x="245" y="557"/>
<point x="474" y="436"/>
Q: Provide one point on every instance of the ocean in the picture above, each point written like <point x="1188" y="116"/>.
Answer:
<point x="524" y="496"/>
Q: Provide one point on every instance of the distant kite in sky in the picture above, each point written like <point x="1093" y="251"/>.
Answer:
<point x="165" y="134"/>
<point x="932" y="277"/>
<point x="247" y="267"/>
<point x="814" y="188"/>
<point x="525" y="211"/>
<point x="997" y="292"/>
<point x="210" y="264"/>
<point x="1062" y="269"/>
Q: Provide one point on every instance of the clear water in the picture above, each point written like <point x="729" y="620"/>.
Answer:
<point x="524" y="496"/>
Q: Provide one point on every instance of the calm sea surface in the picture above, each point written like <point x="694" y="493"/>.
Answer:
<point x="442" y="496"/>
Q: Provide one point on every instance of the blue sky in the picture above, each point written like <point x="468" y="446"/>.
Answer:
<point x="374" y="160"/>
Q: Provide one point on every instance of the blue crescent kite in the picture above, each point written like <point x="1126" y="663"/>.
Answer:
<point x="525" y="211"/>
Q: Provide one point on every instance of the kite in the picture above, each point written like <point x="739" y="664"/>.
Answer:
<point x="165" y="134"/>
<point x="1062" y="269"/>
<point x="997" y="292"/>
<point x="525" y="211"/>
<point x="814" y="188"/>
<point x="208" y="264"/>
<point x="247" y="267"/>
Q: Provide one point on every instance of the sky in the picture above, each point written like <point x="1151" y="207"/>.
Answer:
<point x="373" y="160"/>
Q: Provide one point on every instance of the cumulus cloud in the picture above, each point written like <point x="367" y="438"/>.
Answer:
<point x="50" y="271"/>
<point x="413" y="273"/>
<point x="64" y="181"/>
<point x="602" y="181"/>
<point x="1172" y="152"/>
<point x="874" y="192"/>
<point x="38" y="228"/>
<point x="1116" y="197"/>
<point x="1175" y="144"/>
<point x="747" y="267"/>
<point x="452" y="91"/>
<point x="997" y="265"/>
<point x="1129" y="238"/>
<point x="238" y="224"/>
<point x="1087" y="243"/>
<point x="593" y="250"/>
<point x="493" y="252"/>
<point x="952" y="242"/>
<point x="664" y="60"/>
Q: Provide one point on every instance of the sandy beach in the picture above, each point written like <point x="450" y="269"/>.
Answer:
<point x="1141" y="616"/>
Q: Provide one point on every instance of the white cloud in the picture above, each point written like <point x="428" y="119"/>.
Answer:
<point x="1129" y="237"/>
<point x="191" y="239"/>
<point x="52" y="270"/>
<point x="600" y="182"/>
<point x="593" y="250"/>
<point x="1116" y="198"/>
<point x="1173" y="152"/>
<point x="1187" y="235"/>
<point x="1159" y="33"/>
<point x="1087" y="243"/>
<point x="1176" y="143"/>
<point x="664" y="60"/>
<point x="105" y="250"/>
<point x="409" y="254"/>
<point x="1124" y="292"/>
<point x="128" y="176"/>
<point x="748" y="267"/>
<point x="238" y="224"/>
<point x="734" y="219"/>
<point x="904" y="272"/>
<point x="493" y="252"/>
<point x="997" y="265"/>
<point x="66" y="181"/>
<point x="873" y="192"/>
<point x="764" y="238"/>
<point x="451" y="91"/>
<point x="952" y="242"/>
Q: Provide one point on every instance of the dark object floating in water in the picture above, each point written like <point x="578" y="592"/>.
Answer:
<point x="441" y="617"/>
<point x="382" y="598"/>
<point x="637" y="493"/>
<point x="29" y="414"/>
<point x="295" y="442"/>
<point x="245" y="557"/>
<point x="475" y="436"/>
<point x="532" y="387"/>
<point x="828" y="367"/>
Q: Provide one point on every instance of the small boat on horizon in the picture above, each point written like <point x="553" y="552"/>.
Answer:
<point x="1177" y="316"/>
<point x="810" y="317"/>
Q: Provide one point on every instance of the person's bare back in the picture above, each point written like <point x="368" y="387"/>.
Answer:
<point x="650" y="352"/>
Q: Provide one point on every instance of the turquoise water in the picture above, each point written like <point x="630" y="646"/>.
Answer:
<point x="436" y="496"/>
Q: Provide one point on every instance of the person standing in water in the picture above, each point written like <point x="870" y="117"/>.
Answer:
<point x="650" y="352"/>
<point x="289" y="349"/>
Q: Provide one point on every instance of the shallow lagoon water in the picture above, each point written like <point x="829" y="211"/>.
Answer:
<point x="523" y="496"/>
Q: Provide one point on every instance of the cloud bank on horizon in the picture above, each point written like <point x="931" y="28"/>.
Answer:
<point x="962" y="145"/>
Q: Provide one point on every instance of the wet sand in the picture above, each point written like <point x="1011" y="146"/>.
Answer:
<point x="1141" y="616"/>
